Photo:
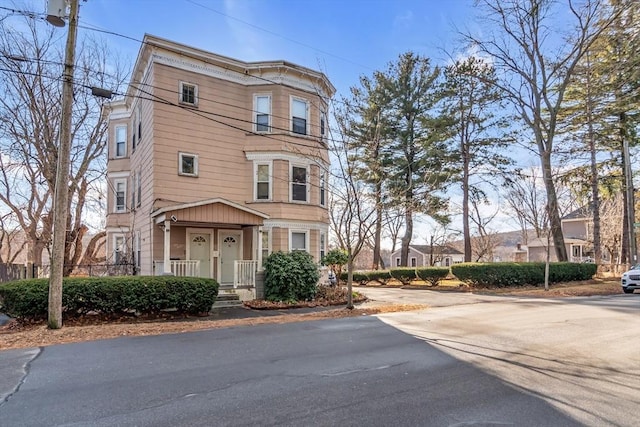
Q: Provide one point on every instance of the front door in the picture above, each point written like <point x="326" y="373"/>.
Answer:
<point x="200" y="249"/>
<point x="229" y="252"/>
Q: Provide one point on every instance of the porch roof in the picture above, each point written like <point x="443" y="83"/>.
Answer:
<point x="216" y="211"/>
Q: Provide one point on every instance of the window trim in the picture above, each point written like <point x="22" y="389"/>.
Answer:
<point x="306" y="183"/>
<point x="322" y="126"/>
<point x="306" y="239"/>
<point x="323" y="188"/>
<point x="322" y="242"/>
<point x="414" y="261"/>
<point x="123" y="142"/>
<point x="293" y="98"/>
<point x="256" y="112"/>
<point x="268" y="247"/>
<point x="195" y="164"/>
<point x="139" y="188"/>
<point x="116" y="209"/>
<point x="256" y="164"/>
<point x="195" y="94"/>
<point x="114" y="240"/>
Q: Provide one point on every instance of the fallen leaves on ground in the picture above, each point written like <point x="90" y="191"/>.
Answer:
<point x="37" y="335"/>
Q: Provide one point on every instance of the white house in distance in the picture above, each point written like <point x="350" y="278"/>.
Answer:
<point x="421" y="256"/>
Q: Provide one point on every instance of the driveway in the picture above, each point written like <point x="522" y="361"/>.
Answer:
<point x="580" y="354"/>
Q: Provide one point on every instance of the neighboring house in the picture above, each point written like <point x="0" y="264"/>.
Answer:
<point x="577" y="228"/>
<point x="213" y="163"/>
<point x="421" y="256"/>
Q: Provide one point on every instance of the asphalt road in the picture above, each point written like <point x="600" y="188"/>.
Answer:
<point x="491" y="362"/>
<point x="582" y="354"/>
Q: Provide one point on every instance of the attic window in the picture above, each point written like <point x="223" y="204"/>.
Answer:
<point x="188" y="93"/>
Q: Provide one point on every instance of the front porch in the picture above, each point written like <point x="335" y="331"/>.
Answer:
<point x="244" y="271"/>
<point x="213" y="238"/>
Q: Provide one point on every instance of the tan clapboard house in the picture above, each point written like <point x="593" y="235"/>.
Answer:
<point x="213" y="163"/>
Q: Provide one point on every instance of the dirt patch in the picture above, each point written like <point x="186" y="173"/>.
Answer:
<point x="15" y="335"/>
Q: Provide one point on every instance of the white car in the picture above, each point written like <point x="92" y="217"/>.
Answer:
<point x="631" y="280"/>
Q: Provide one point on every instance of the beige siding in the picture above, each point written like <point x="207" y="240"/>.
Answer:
<point x="220" y="132"/>
<point x="216" y="213"/>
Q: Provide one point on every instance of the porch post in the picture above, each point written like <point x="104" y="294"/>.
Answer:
<point x="257" y="237"/>
<point x="167" y="248"/>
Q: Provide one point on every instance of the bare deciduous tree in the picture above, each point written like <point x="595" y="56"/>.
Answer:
<point x="31" y="62"/>
<point x="535" y="65"/>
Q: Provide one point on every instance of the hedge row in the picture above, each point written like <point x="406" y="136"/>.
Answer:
<point x="431" y="275"/>
<point x="506" y="274"/>
<point x="111" y="295"/>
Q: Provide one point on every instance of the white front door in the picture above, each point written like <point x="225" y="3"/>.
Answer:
<point x="200" y="249"/>
<point x="229" y="252"/>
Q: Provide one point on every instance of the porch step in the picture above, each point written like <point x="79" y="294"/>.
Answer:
<point x="227" y="299"/>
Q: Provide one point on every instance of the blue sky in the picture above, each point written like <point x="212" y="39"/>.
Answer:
<point x="345" y="39"/>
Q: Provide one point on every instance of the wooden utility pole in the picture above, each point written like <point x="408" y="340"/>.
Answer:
<point x="60" y="211"/>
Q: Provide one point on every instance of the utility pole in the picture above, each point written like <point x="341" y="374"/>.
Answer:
<point x="61" y="197"/>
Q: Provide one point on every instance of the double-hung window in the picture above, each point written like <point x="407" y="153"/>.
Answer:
<point x="188" y="93"/>
<point x="323" y="189"/>
<point x="121" y="141"/>
<point x="323" y="126"/>
<point x="262" y="111"/>
<point x="120" y="190"/>
<point x="263" y="181"/>
<point x="299" y="184"/>
<point x="323" y="245"/>
<point x="299" y="116"/>
<point x="119" y="249"/>
<point x="265" y="245"/>
<point x="187" y="164"/>
<point x="298" y="241"/>
<point x="139" y="189"/>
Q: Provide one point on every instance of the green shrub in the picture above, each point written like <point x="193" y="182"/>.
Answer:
<point x="507" y="274"/>
<point x="291" y="276"/>
<point x="380" y="276"/>
<point x="335" y="259"/>
<point x="432" y="275"/>
<point x="404" y="275"/>
<point x="111" y="295"/>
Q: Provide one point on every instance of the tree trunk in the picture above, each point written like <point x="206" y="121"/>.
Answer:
<point x="378" y="229"/>
<point x="465" y="204"/>
<point x="553" y="210"/>
<point x="350" y="281"/>
<point x="406" y="239"/>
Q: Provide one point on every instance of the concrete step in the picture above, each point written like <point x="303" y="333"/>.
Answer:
<point x="227" y="299"/>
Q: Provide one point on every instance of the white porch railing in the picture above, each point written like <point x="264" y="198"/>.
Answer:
<point x="182" y="268"/>
<point x="244" y="273"/>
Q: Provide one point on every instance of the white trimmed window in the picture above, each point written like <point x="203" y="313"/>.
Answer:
<point x="266" y="249"/>
<point x="323" y="126"/>
<point x="188" y="93"/>
<point x="447" y="262"/>
<point x="262" y="113"/>
<point x="323" y="189"/>
<point x="187" y="164"/>
<point x="414" y="262"/>
<point x="298" y="240"/>
<point x="262" y="186"/>
<point x="299" y="116"/>
<point x="120" y="195"/>
<point x="119" y="249"/>
<point x="137" y="251"/>
<point x="133" y="190"/>
<point x="299" y="183"/>
<point x="120" y="148"/>
<point x="139" y="190"/>
<point x="397" y="262"/>
<point x="323" y="245"/>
